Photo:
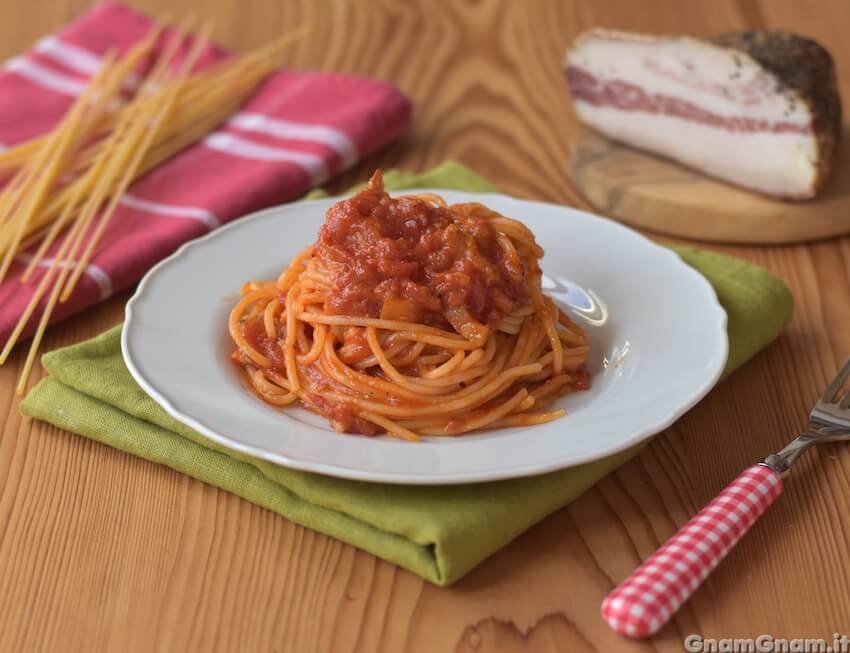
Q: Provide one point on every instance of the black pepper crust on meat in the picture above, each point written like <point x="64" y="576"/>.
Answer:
<point x="806" y="70"/>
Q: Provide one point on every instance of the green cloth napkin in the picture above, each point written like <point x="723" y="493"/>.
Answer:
<point x="439" y="533"/>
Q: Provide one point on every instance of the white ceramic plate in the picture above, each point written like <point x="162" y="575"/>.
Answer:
<point x="658" y="346"/>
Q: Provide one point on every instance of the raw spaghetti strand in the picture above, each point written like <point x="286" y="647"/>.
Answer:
<point x="149" y="132"/>
<point x="67" y="253"/>
<point x="117" y="81"/>
<point x="57" y="183"/>
<point x="204" y="102"/>
<point x="379" y="342"/>
<point x="45" y="170"/>
<point x="63" y="261"/>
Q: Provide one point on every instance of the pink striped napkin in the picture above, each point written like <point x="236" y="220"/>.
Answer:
<point x="296" y="132"/>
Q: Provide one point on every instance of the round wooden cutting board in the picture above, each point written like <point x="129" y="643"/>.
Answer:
<point x="659" y="195"/>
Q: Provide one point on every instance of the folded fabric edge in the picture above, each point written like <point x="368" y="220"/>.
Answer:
<point x="89" y="417"/>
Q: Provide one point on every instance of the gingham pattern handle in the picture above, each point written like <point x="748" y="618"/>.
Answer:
<point x="647" y="599"/>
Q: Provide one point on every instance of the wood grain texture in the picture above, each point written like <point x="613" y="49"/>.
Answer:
<point x="661" y="196"/>
<point x="100" y="551"/>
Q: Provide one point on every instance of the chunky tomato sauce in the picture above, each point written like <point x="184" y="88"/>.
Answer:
<point x="404" y="259"/>
<point x="342" y="415"/>
<point x="254" y="331"/>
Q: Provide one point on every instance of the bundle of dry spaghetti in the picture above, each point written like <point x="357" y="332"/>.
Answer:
<point x="64" y="186"/>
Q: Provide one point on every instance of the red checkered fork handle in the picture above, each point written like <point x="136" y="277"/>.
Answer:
<point x="647" y="599"/>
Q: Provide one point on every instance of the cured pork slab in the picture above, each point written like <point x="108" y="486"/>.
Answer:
<point x="758" y="109"/>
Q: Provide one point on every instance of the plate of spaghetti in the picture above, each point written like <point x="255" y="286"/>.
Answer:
<point x="423" y="338"/>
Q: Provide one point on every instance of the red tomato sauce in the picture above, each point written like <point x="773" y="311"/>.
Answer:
<point x="405" y="259"/>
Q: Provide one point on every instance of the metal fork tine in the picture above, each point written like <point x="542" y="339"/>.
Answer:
<point x="829" y="395"/>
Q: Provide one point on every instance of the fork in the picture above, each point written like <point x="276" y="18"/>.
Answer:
<point x="647" y="599"/>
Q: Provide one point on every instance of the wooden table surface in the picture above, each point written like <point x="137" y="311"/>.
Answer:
<point x="103" y="551"/>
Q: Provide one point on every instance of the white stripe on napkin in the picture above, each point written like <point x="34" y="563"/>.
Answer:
<point x="45" y="77"/>
<point x="103" y="281"/>
<point x="194" y="212"/>
<point x="336" y="139"/>
<point x="243" y="148"/>
<point x="72" y="56"/>
<point x="97" y="273"/>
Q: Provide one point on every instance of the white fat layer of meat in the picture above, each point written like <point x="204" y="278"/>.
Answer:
<point x="716" y="79"/>
<point x="777" y="164"/>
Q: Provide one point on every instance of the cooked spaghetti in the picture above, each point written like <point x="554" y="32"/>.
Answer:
<point x="411" y="317"/>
